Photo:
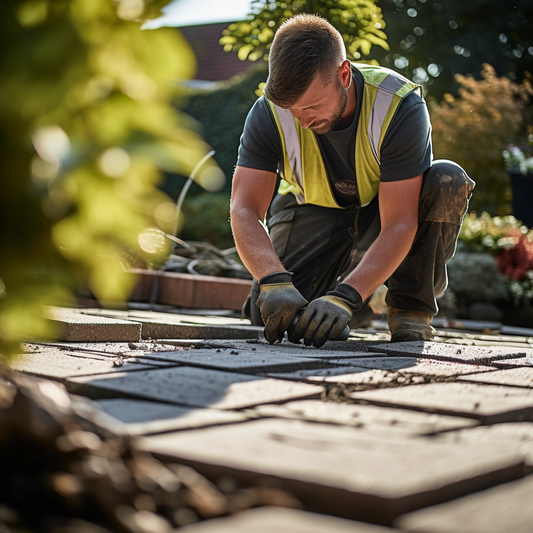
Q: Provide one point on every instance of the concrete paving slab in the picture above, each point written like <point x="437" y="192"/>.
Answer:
<point x="366" y="416"/>
<point x="502" y="509"/>
<point x="136" y="417"/>
<point x="280" y="520"/>
<point x="246" y="361"/>
<point x="450" y="352"/>
<point x="414" y="365"/>
<point x="514" y="363"/>
<point x="489" y="403"/>
<point x="350" y="472"/>
<point x="512" y="435"/>
<point x="71" y="325"/>
<point x="196" y="387"/>
<point x="515" y="377"/>
<point x="172" y="317"/>
<point x="61" y="365"/>
<point x="112" y="349"/>
<point x="318" y="375"/>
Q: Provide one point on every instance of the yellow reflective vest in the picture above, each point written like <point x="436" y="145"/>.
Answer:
<point x="303" y="170"/>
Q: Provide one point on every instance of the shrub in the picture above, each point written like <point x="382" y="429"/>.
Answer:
<point x="474" y="129"/>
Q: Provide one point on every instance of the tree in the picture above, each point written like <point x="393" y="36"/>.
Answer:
<point x="431" y="41"/>
<point x="360" y="23"/>
<point x="86" y="125"/>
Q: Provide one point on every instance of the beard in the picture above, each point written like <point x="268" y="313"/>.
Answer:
<point x="326" y="125"/>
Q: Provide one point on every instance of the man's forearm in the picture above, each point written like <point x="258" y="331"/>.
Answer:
<point x="382" y="259"/>
<point x="253" y="244"/>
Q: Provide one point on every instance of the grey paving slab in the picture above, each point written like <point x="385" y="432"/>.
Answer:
<point x="71" y="325"/>
<point x="450" y="352"/>
<point x="517" y="435"/>
<point x="515" y="377"/>
<point x="197" y="387"/>
<point x="513" y="363"/>
<point x="247" y="361"/>
<point x="318" y="375"/>
<point x="137" y="417"/>
<point x="280" y="520"/>
<point x="173" y="326"/>
<point x="366" y="416"/>
<point x="488" y="403"/>
<point x="503" y="509"/>
<point x="112" y="349"/>
<point x="415" y="365"/>
<point x="61" y="365"/>
<point x="348" y="471"/>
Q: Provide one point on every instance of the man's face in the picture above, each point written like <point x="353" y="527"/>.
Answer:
<point x="321" y="106"/>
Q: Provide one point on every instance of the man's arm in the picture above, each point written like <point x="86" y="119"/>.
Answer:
<point x="252" y="191"/>
<point x="398" y="207"/>
<point x="278" y="300"/>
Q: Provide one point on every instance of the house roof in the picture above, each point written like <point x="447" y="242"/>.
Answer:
<point x="213" y="64"/>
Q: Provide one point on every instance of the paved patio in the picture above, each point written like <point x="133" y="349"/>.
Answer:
<point x="365" y="435"/>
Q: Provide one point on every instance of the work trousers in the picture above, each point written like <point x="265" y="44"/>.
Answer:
<point x="321" y="246"/>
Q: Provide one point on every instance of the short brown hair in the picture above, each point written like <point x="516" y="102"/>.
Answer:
<point x="304" y="46"/>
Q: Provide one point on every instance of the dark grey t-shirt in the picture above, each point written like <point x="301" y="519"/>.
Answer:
<point x="406" y="150"/>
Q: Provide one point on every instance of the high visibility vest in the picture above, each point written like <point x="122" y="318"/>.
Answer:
<point x="303" y="170"/>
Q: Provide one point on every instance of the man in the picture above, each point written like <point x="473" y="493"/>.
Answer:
<point x="360" y="202"/>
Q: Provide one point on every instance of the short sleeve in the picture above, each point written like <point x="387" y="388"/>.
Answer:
<point x="406" y="150"/>
<point x="260" y="146"/>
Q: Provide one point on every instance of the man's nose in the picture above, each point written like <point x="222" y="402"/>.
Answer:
<point x="305" y="118"/>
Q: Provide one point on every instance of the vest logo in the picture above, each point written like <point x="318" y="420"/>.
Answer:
<point x="346" y="187"/>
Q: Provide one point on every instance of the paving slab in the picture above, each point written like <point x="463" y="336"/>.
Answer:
<point x="502" y="509"/>
<point x="450" y="352"/>
<point x="318" y="375"/>
<point x="137" y="417"/>
<point x="280" y="520"/>
<point x="196" y="387"/>
<point x="515" y="377"/>
<point x="366" y="416"/>
<point x="62" y="365"/>
<point x="489" y="403"/>
<point x="112" y="349"/>
<point x="350" y="472"/>
<point x="414" y="365"/>
<point x="518" y="435"/>
<point x="247" y="361"/>
<point x="514" y="363"/>
<point x="174" y="326"/>
<point x="71" y="325"/>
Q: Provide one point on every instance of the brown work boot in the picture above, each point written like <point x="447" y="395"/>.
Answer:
<point x="409" y="326"/>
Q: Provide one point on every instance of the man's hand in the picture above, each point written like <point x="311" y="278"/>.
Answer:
<point x="278" y="301"/>
<point x="326" y="317"/>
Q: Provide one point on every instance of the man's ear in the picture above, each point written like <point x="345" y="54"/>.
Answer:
<point x="345" y="73"/>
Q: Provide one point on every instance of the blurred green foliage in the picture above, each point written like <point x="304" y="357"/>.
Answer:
<point x="432" y="41"/>
<point x="86" y="126"/>
<point x="360" y="23"/>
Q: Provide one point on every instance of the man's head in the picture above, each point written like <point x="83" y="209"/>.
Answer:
<point x="309" y="73"/>
<point x="305" y="47"/>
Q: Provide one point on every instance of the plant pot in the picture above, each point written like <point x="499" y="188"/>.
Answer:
<point x="522" y="187"/>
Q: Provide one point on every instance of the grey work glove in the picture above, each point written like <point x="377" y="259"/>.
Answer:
<point x="326" y="317"/>
<point x="279" y="301"/>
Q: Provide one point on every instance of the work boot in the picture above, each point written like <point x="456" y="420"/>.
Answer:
<point x="409" y="326"/>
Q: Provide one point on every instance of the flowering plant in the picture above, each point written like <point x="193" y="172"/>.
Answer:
<point x="511" y="244"/>
<point x="515" y="159"/>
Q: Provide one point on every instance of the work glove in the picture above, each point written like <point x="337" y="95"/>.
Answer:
<point x="326" y="317"/>
<point x="279" y="301"/>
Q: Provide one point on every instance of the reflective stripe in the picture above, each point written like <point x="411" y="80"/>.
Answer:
<point x="385" y="92"/>
<point x="292" y="144"/>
